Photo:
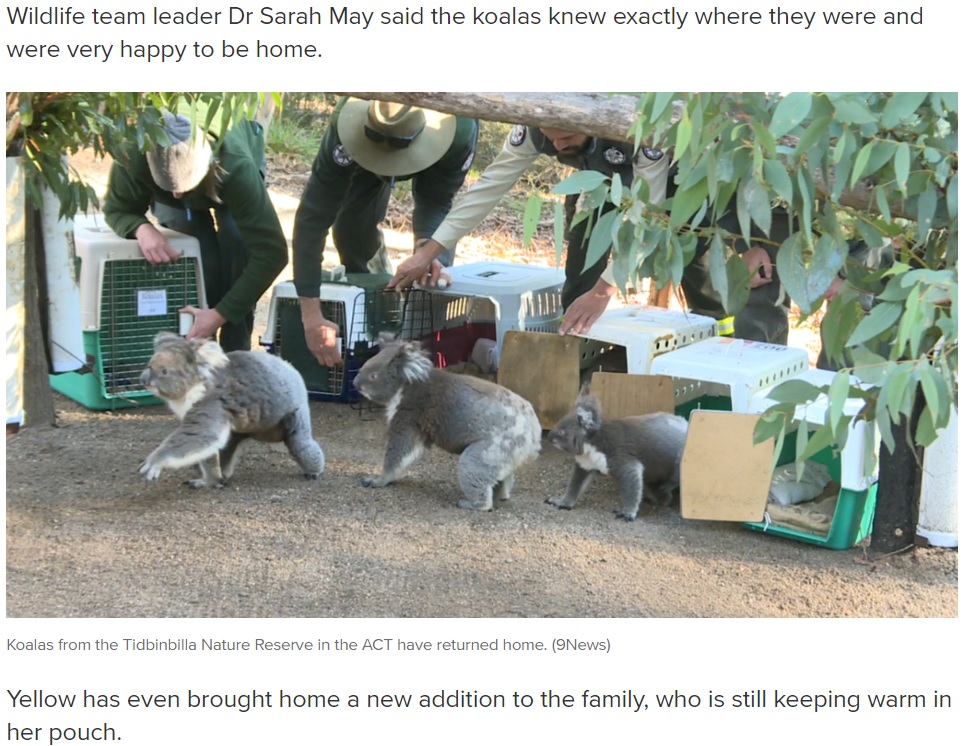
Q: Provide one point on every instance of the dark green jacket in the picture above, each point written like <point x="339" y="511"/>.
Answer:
<point x="131" y="191"/>
<point x="432" y="192"/>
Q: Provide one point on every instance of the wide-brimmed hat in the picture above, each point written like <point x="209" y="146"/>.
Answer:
<point x="182" y="164"/>
<point x="394" y="139"/>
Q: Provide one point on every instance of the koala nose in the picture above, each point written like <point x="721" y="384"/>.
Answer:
<point x="146" y="376"/>
<point x="356" y="381"/>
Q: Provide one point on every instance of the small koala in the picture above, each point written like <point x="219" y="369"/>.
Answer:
<point x="636" y="451"/>
<point x="222" y="400"/>
<point x="494" y="430"/>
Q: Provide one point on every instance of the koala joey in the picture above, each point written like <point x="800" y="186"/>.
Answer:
<point x="635" y="451"/>
<point x="222" y="400"/>
<point x="493" y="429"/>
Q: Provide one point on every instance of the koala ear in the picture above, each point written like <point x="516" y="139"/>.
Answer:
<point x="209" y="353"/>
<point x="588" y="412"/>
<point x="415" y="361"/>
<point x="163" y="339"/>
<point x="386" y="338"/>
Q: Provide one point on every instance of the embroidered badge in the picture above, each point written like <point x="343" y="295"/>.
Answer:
<point x="468" y="163"/>
<point x="518" y="136"/>
<point x="614" y="156"/>
<point x="653" y="154"/>
<point x="340" y="156"/>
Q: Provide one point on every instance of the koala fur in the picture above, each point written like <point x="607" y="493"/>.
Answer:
<point x="636" y="451"/>
<point x="222" y="400"/>
<point x="493" y="429"/>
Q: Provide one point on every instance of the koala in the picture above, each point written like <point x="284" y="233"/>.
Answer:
<point x="636" y="451"/>
<point x="493" y="430"/>
<point x="222" y="400"/>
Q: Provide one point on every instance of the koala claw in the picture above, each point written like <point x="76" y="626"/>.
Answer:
<point x="555" y="502"/>
<point x="311" y="477"/>
<point x="628" y="517"/>
<point x="371" y="482"/>
<point x="197" y="484"/>
<point x="466" y="504"/>
<point x="149" y="472"/>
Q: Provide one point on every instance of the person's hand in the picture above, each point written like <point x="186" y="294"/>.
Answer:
<point x="585" y="310"/>
<point x="207" y="321"/>
<point x="421" y="268"/>
<point x="832" y="292"/>
<point x="758" y="262"/>
<point x="322" y="341"/>
<point x="154" y="246"/>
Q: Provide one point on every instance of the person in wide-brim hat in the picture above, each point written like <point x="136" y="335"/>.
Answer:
<point x="367" y="149"/>
<point x="394" y="139"/>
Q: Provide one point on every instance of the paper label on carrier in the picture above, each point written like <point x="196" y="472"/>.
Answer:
<point x="152" y="302"/>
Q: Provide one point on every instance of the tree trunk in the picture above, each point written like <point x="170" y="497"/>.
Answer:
<point x="609" y="116"/>
<point x="38" y="397"/>
<point x="899" y="487"/>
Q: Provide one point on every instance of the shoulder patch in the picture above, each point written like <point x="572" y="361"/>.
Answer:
<point x="614" y="156"/>
<point x="340" y="156"/>
<point x="469" y="160"/>
<point x="518" y="136"/>
<point x="653" y="154"/>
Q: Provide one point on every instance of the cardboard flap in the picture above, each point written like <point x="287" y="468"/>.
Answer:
<point x="626" y="395"/>
<point x="724" y="476"/>
<point x="544" y="369"/>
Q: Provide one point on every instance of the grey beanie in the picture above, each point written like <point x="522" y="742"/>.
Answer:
<point x="182" y="165"/>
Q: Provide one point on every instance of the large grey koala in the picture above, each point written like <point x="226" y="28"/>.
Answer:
<point x="493" y="429"/>
<point x="635" y="451"/>
<point x="222" y="400"/>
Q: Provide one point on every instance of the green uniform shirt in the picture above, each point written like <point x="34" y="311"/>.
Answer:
<point x="131" y="191"/>
<point x="432" y="192"/>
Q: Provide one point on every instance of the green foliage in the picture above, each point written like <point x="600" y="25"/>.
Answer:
<point x="880" y="168"/>
<point x="294" y="136"/>
<point x="46" y="127"/>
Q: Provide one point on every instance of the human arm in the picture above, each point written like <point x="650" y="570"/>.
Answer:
<point x="129" y="197"/>
<point x="318" y="207"/>
<point x="470" y="210"/>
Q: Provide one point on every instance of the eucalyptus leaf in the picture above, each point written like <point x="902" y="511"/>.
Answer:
<point x="601" y="238"/>
<point x="686" y="202"/>
<point x="581" y="181"/>
<point x="838" y="397"/>
<point x="616" y="189"/>
<point x="757" y="203"/>
<point x="789" y="113"/>
<point x="882" y="317"/>
<point x="903" y="166"/>
<point x="779" y="180"/>
<point x="900" y="107"/>
<point x="820" y="438"/>
<point x="795" y="391"/>
<point x="531" y="217"/>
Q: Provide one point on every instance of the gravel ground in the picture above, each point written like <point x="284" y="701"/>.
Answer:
<point x="87" y="538"/>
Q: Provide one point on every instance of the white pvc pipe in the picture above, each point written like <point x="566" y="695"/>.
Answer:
<point x="63" y="289"/>
<point x="938" y="512"/>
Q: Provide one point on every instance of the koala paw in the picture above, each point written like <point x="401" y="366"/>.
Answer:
<point x="311" y="477"/>
<point x="149" y="471"/>
<point x="468" y="505"/>
<point x="557" y="502"/>
<point x="625" y="516"/>
<point x="372" y="482"/>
